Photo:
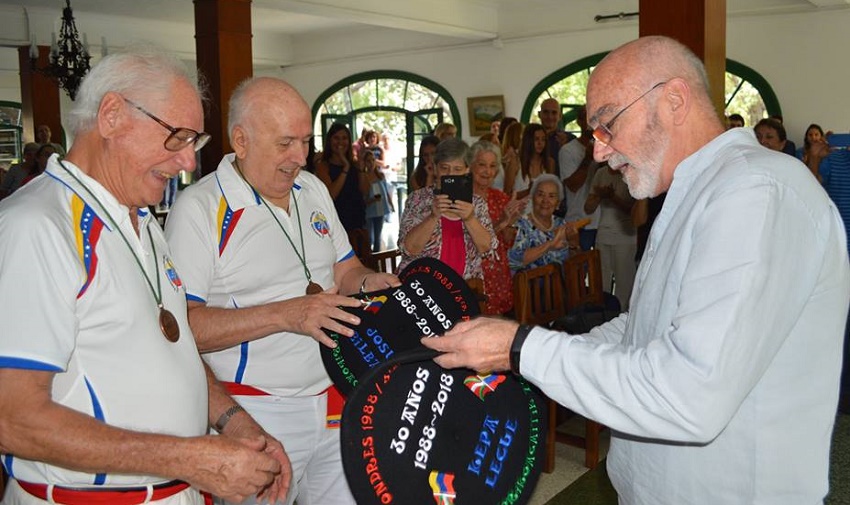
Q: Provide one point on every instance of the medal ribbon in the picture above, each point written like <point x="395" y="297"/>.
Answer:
<point x="157" y="293"/>
<point x="301" y="257"/>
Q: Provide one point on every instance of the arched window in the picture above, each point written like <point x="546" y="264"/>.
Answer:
<point x="568" y="85"/>
<point x="747" y="92"/>
<point x="403" y="105"/>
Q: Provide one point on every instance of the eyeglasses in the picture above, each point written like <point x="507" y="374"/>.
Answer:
<point x="180" y="137"/>
<point x="602" y="133"/>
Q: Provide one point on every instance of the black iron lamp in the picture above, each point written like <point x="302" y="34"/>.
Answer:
<point x="69" y="60"/>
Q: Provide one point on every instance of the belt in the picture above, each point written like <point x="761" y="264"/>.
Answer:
<point x="110" y="496"/>
<point x="238" y="389"/>
<point x="335" y="400"/>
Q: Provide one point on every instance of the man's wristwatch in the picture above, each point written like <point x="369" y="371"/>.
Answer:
<point x="516" y="346"/>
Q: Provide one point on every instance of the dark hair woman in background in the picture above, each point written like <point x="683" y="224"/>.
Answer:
<point x="423" y="174"/>
<point x="338" y="170"/>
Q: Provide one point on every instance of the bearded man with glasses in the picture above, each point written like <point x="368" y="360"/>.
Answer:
<point x="103" y="395"/>
<point x="720" y="385"/>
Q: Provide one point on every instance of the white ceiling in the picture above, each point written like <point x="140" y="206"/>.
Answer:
<point x="279" y="26"/>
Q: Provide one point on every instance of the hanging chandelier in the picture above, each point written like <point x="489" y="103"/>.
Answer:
<point x="69" y="59"/>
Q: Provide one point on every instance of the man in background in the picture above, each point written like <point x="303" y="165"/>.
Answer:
<point x="735" y="121"/>
<point x="550" y="118"/>
<point x="577" y="168"/>
<point x="42" y="136"/>
<point x="14" y="178"/>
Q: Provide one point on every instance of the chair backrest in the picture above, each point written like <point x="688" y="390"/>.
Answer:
<point x="583" y="279"/>
<point x="359" y="240"/>
<point x="477" y="286"/>
<point x="539" y="295"/>
<point x="385" y="261"/>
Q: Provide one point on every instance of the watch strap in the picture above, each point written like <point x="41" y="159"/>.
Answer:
<point x="516" y="346"/>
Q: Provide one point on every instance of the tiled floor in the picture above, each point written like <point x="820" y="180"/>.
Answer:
<point x="569" y="464"/>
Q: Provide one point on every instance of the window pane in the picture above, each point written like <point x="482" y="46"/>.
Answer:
<point x="746" y="101"/>
<point x="570" y="93"/>
<point x="337" y="103"/>
<point x="419" y="97"/>
<point x="391" y="92"/>
<point x="363" y="94"/>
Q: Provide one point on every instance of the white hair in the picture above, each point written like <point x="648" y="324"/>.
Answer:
<point x="138" y="70"/>
<point x="483" y="146"/>
<point x="548" y="178"/>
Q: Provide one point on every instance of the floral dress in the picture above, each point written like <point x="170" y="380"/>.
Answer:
<point x="529" y="236"/>
<point x="497" y="275"/>
<point x="418" y="208"/>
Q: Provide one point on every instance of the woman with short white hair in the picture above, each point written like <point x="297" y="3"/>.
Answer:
<point x="542" y="237"/>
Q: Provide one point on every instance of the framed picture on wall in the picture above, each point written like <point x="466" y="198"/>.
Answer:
<point x="483" y="110"/>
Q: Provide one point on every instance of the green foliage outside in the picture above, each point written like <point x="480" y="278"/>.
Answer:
<point x="570" y="93"/>
<point x="379" y="95"/>
<point x="741" y="97"/>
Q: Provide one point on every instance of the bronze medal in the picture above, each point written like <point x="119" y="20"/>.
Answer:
<point x="167" y="322"/>
<point x="168" y="325"/>
<point x="313" y="288"/>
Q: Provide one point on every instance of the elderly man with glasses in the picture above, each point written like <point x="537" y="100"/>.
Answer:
<point x="721" y="383"/>
<point x="267" y="263"/>
<point x="103" y="395"/>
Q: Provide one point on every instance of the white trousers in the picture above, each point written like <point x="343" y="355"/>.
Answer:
<point x="313" y="449"/>
<point x="618" y="260"/>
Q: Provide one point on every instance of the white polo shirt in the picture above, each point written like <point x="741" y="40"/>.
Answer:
<point x="75" y="303"/>
<point x="233" y="254"/>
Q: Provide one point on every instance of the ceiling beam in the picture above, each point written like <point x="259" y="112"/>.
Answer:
<point x="464" y="19"/>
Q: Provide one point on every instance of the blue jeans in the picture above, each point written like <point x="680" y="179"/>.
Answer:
<point x="375" y="226"/>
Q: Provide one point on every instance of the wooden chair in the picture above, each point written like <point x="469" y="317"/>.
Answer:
<point x="538" y="295"/>
<point x="539" y="299"/>
<point x="477" y="286"/>
<point x="359" y="240"/>
<point x="583" y="280"/>
<point x="385" y="261"/>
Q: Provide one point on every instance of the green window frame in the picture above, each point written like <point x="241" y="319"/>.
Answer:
<point x="738" y="76"/>
<point x="363" y="92"/>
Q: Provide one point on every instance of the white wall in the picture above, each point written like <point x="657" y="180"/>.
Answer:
<point x="802" y="55"/>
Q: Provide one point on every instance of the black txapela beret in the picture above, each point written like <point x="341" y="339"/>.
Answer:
<point x="414" y="433"/>
<point x="430" y="300"/>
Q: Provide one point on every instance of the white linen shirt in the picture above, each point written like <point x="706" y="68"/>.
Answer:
<point x="232" y="254"/>
<point x="721" y="384"/>
<point x="75" y="303"/>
